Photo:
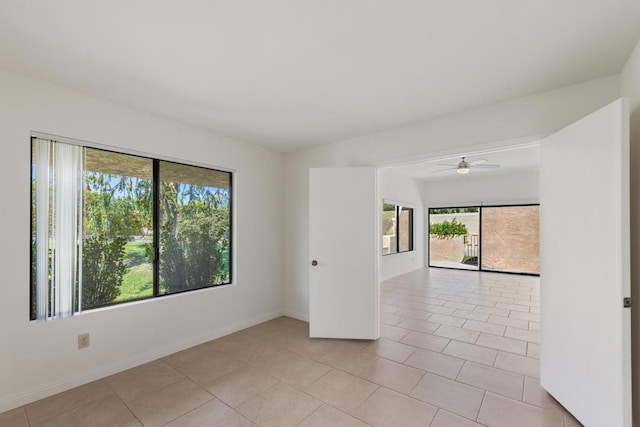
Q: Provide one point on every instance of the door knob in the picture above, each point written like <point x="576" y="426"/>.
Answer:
<point x="314" y="262"/>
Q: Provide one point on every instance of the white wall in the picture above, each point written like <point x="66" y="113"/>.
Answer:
<point x="483" y="190"/>
<point x="408" y="191"/>
<point x="38" y="359"/>
<point x="630" y="83"/>
<point x="539" y="114"/>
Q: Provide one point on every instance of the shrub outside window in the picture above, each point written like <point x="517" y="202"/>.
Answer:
<point x="109" y="227"/>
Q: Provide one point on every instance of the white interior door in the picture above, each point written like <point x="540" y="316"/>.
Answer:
<point x="343" y="242"/>
<point x="584" y="227"/>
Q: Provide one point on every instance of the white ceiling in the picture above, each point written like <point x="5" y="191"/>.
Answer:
<point x="511" y="160"/>
<point x="295" y="73"/>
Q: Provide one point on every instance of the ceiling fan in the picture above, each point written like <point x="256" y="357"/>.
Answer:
<point x="464" y="166"/>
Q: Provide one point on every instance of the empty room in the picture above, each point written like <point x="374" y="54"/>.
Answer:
<point x="340" y="213"/>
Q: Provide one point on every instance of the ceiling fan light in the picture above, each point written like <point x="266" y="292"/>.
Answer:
<point x="463" y="170"/>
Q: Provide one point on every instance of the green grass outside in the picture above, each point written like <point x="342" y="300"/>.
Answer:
<point x="138" y="282"/>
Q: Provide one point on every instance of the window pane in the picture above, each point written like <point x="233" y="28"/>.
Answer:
<point x="195" y="227"/>
<point x="389" y="244"/>
<point x="454" y="237"/>
<point x="511" y="239"/>
<point x="405" y="227"/>
<point x="117" y="253"/>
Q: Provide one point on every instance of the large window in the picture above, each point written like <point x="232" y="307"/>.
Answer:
<point x="397" y="224"/>
<point x="108" y="227"/>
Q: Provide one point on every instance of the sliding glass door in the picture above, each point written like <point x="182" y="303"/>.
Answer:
<point x="489" y="238"/>
<point x="454" y="237"/>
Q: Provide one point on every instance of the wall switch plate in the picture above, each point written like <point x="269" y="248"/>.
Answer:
<point x="83" y="341"/>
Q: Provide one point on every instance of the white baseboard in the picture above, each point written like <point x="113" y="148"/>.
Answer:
<point x="82" y="378"/>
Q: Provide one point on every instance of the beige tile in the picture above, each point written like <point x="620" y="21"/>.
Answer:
<point x="522" y="334"/>
<point x="447" y="419"/>
<point x="393" y="375"/>
<point x="471" y="352"/>
<point x="281" y="336"/>
<point x="326" y="416"/>
<point x="241" y="385"/>
<point x="488" y="328"/>
<point x="498" y="411"/>
<point x="315" y="348"/>
<point x="472" y="315"/>
<point x="453" y="396"/>
<point x="492" y="379"/>
<point x="518" y="364"/>
<point x="499" y="300"/>
<point x="238" y="345"/>
<point x="352" y="361"/>
<point x="191" y="354"/>
<point x="436" y="363"/>
<point x="410" y="303"/>
<point x="206" y="370"/>
<point x="299" y="372"/>
<point x="457" y="334"/>
<point x="492" y="310"/>
<point x="481" y="302"/>
<point x="14" y="418"/>
<point x="413" y="314"/>
<point x="392" y="332"/>
<point x="66" y="401"/>
<point x="513" y="307"/>
<point x="501" y="343"/>
<point x="525" y="316"/>
<point x="535" y="395"/>
<point x="135" y="382"/>
<point x="388" y="308"/>
<point x="427" y="341"/>
<point x="436" y="309"/>
<point x="425" y="326"/>
<point x="168" y="403"/>
<point x="280" y="406"/>
<point x="342" y="390"/>
<point x="388" y="408"/>
<point x="390" y="319"/>
<point x="391" y="350"/>
<point x="107" y="411"/>
<point x="267" y="356"/>
<point x="211" y="414"/>
<point x="508" y="321"/>
<point x="446" y="320"/>
<point x="460" y="305"/>
<point x="534" y="326"/>
<point x="533" y="350"/>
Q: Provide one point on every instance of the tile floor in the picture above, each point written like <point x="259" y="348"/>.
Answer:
<point x="458" y="349"/>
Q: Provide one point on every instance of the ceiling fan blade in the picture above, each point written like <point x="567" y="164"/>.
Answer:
<point x="473" y="162"/>
<point x="446" y="164"/>
<point x="486" y="166"/>
<point x="444" y="170"/>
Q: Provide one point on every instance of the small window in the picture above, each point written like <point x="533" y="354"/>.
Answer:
<point x="109" y="227"/>
<point x="397" y="225"/>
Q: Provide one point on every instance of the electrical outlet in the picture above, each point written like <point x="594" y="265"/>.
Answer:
<point x="83" y="341"/>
